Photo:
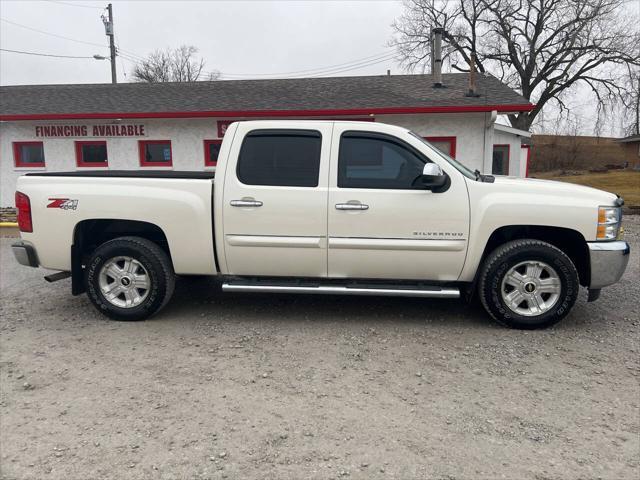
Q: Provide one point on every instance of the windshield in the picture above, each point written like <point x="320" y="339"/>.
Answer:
<point x="455" y="164"/>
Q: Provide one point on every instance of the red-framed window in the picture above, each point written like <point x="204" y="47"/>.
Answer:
<point x="28" y="154"/>
<point x="500" y="162"/>
<point x="91" y="153"/>
<point x="446" y="145"/>
<point x="211" y="152"/>
<point x="155" y="153"/>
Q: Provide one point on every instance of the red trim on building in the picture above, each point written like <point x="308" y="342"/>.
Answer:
<point x="508" y="155"/>
<point x="141" y="151"/>
<point x="17" y="155"/>
<point x="527" y="107"/>
<point x="451" y="140"/>
<point x="526" y="165"/>
<point x="207" y="161"/>
<point x="79" y="157"/>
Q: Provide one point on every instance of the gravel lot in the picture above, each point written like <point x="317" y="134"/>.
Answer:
<point x="264" y="386"/>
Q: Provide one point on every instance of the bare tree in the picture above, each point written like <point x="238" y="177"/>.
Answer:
<point x="542" y="48"/>
<point x="173" y="65"/>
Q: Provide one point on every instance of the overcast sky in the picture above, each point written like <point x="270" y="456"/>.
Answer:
<point x="235" y="38"/>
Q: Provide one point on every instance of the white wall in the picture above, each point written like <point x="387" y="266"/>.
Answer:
<point x="187" y="136"/>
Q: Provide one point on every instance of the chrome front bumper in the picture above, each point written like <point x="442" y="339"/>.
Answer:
<point x="608" y="262"/>
<point x="25" y="254"/>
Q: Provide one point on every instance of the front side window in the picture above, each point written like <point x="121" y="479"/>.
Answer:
<point x="500" y="160"/>
<point x="155" y="153"/>
<point x="211" y="152"/>
<point x="285" y="158"/>
<point x="370" y="160"/>
<point x="91" y="154"/>
<point x="28" y="154"/>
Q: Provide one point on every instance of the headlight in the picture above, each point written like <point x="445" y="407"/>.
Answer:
<point x="608" y="223"/>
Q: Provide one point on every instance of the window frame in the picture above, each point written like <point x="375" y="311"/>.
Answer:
<point x="508" y="160"/>
<point x="141" y="150"/>
<point x="207" y="161"/>
<point x="80" y="163"/>
<point x="378" y="136"/>
<point x="300" y="132"/>
<point x="450" y="140"/>
<point x="17" y="155"/>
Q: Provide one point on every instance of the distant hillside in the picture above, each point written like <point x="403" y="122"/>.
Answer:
<point x="564" y="152"/>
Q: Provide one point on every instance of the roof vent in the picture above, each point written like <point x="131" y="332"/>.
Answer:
<point x="472" y="77"/>
<point x="436" y="56"/>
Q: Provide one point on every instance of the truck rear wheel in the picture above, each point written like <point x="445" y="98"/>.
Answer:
<point x="129" y="278"/>
<point x="528" y="284"/>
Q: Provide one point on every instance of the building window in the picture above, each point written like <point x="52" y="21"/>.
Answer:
<point x="155" y="153"/>
<point x="211" y="152"/>
<point x="91" y="154"/>
<point x="287" y="158"/>
<point x="377" y="161"/>
<point x="500" y="160"/>
<point x="446" y="145"/>
<point x="28" y="154"/>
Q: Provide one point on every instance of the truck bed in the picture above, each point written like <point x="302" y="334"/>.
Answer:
<point x="129" y="174"/>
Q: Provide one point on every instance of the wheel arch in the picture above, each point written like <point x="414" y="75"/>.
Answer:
<point x="569" y="241"/>
<point x="89" y="234"/>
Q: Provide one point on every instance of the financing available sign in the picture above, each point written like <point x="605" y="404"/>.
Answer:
<point x="108" y="130"/>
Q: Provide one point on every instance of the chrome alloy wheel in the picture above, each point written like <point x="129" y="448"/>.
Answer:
<point x="531" y="288"/>
<point x="124" y="282"/>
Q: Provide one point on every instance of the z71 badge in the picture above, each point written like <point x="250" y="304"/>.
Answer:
<point x="63" y="203"/>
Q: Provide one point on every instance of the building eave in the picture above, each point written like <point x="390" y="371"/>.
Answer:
<point x="270" y="113"/>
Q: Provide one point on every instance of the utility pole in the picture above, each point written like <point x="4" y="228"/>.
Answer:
<point x="108" y="30"/>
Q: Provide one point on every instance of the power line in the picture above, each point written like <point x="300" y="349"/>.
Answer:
<point x="40" y="54"/>
<point x="371" y="57"/>
<point x="52" y="34"/>
<point x="74" y="4"/>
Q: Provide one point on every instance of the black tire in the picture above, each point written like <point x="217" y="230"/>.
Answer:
<point x="158" y="268"/>
<point x="511" y="254"/>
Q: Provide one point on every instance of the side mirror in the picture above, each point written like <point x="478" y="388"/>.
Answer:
<point x="433" y="178"/>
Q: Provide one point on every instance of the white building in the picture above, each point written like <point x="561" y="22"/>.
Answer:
<point x="180" y="125"/>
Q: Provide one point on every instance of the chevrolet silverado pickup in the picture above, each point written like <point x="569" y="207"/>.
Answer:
<point x="324" y="207"/>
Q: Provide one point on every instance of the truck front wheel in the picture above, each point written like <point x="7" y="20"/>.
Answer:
<point x="129" y="278"/>
<point x="528" y="284"/>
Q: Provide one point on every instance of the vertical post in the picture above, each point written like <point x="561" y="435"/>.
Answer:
<point x="112" y="46"/>
<point x="437" y="56"/>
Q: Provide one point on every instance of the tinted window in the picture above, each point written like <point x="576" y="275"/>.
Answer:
<point x="29" y="154"/>
<point x="93" y="153"/>
<point x="500" y="160"/>
<point x="157" y="152"/>
<point x="213" y="152"/>
<point x="288" y="158"/>
<point x="377" y="161"/>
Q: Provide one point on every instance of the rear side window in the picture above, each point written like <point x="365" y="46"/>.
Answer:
<point x="284" y="158"/>
<point x="371" y="160"/>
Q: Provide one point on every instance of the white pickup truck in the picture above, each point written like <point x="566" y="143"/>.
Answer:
<point x="355" y="208"/>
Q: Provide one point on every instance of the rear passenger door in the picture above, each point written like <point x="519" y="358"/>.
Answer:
<point x="275" y="201"/>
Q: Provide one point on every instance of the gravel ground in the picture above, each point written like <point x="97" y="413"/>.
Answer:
<point x="275" y="386"/>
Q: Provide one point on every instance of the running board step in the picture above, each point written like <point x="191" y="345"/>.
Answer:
<point x="425" y="292"/>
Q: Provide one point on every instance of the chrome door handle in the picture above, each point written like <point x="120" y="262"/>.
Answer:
<point x="246" y="203"/>
<point x="351" y="206"/>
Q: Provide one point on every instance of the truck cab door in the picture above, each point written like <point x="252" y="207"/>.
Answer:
<point x="275" y="200"/>
<point x="381" y="225"/>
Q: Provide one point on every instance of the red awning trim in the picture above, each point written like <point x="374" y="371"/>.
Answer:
<point x="271" y="113"/>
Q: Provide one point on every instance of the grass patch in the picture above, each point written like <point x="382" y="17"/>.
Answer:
<point x="625" y="183"/>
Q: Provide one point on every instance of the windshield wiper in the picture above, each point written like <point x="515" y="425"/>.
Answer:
<point x="483" y="178"/>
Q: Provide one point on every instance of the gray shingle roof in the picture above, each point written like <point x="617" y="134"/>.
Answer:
<point x="333" y="93"/>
